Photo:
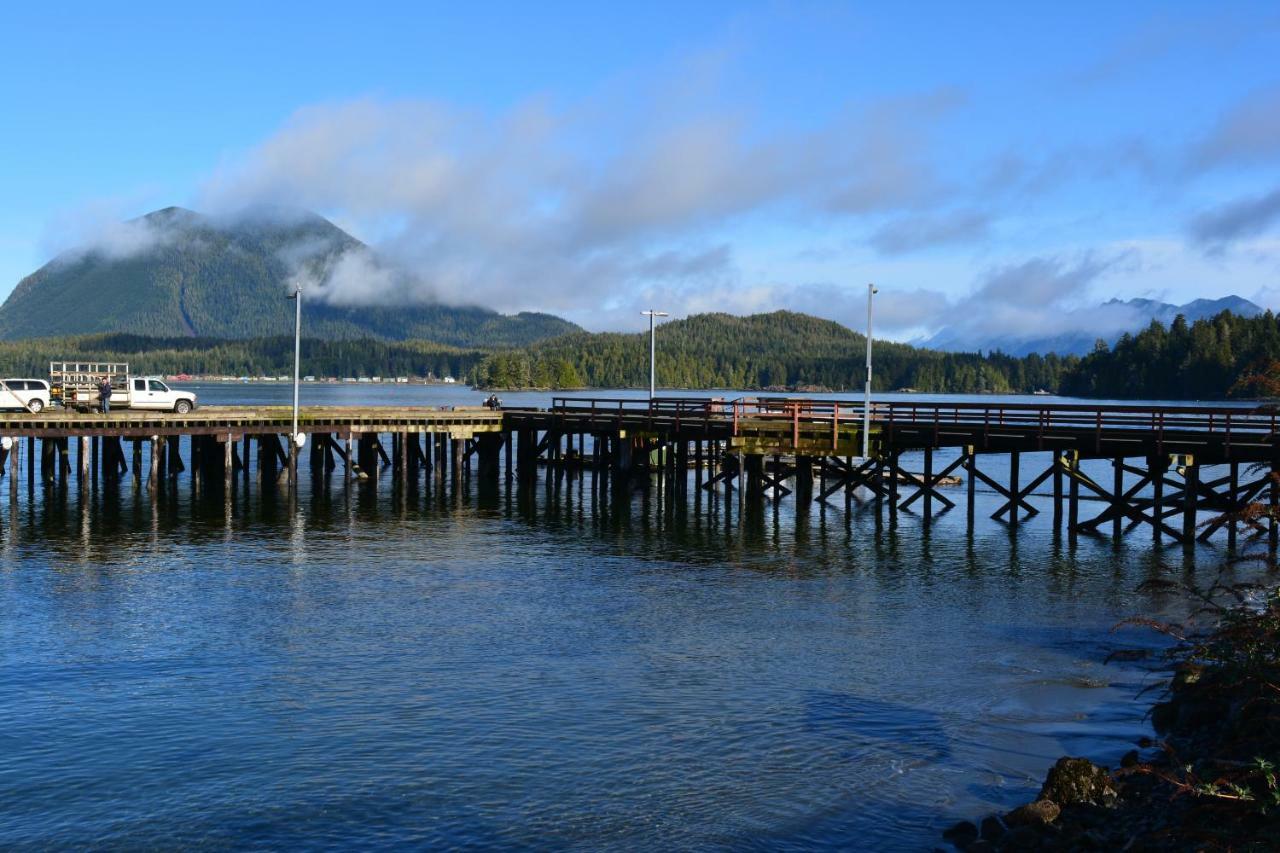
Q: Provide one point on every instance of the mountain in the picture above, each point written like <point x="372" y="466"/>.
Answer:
<point x="177" y="273"/>
<point x="779" y="349"/>
<point x="1107" y="321"/>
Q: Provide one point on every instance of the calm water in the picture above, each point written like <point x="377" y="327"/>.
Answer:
<point x="542" y="671"/>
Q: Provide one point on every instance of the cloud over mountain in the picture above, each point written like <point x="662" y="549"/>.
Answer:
<point x="550" y="206"/>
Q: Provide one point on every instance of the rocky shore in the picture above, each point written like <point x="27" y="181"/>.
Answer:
<point x="1208" y="783"/>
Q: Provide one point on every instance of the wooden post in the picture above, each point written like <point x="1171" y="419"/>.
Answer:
<point x="1073" y="498"/>
<point x="1057" y="490"/>
<point x="175" y="455"/>
<point x="804" y="479"/>
<point x="1015" y="459"/>
<point x="315" y="456"/>
<point x="743" y="485"/>
<point x="347" y="462"/>
<point x="82" y="461"/>
<point x="970" y="465"/>
<point x="31" y="465"/>
<point x="93" y="459"/>
<point x="13" y="470"/>
<point x="508" y="439"/>
<point x="894" y="455"/>
<point x="1117" y="495"/>
<point x="228" y="462"/>
<point x="1234" y="504"/>
<point x="48" y="460"/>
<point x="1273" y="502"/>
<point x="1157" y="465"/>
<point x="153" y="477"/>
<point x="455" y="471"/>
<point x="928" y="483"/>
<point x="1191" y="480"/>
<point x="137" y="463"/>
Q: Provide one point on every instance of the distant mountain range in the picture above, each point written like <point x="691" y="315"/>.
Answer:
<point x="1108" y="321"/>
<point x="176" y="273"/>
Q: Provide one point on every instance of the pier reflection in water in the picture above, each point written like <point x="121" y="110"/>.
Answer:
<point x="494" y="666"/>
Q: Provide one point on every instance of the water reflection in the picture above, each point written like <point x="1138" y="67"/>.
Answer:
<point x="409" y="663"/>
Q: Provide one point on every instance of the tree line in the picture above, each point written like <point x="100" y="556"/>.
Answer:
<point x="765" y="351"/>
<point x="775" y="351"/>
<point x="271" y="356"/>
<point x="1226" y="355"/>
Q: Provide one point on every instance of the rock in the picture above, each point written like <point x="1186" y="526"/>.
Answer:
<point x="1130" y="759"/>
<point x="1194" y="714"/>
<point x="1145" y="742"/>
<point x="1078" y="780"/>
<point x="1039" y="813"/>
<point x="1187" y="674"/>
<point x="1163" y="716"/>
<point x="1024" y="838"/>
<point x="964" y="832"/>
<point x="993" y="829"/>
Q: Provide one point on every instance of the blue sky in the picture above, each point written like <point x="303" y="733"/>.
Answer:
<point x="985" y="165"/>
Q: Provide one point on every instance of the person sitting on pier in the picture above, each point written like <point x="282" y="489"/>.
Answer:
<point x="104" y="396"/>
<point x="493" y="402"/>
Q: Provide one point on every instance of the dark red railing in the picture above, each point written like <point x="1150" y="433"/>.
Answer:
<point x="1037" y="418"/>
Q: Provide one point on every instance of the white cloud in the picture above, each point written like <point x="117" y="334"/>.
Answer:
<point x="552" y="209"/>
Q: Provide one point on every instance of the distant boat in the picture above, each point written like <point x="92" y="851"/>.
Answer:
<point x="1042" y="393"/>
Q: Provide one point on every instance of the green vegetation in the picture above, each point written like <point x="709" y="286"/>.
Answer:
<point x="1197" y="361"/>
<point x="199" y="277"/>
<point x="261" y="357"/>
<point x="782" y="349"/>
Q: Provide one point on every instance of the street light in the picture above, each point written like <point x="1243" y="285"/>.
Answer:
<point x="866" y="405"/>
<point x="296" y="440"/>
<point x="652" y="350"/>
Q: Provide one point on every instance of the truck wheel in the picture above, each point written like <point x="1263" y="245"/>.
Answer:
<point x="35" y="406"/>
<point x="182" y="407"/>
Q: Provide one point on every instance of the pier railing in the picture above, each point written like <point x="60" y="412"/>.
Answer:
<point x="1225" y="423"/>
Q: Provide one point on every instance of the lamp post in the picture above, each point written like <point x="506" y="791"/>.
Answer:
<point x="866" y="404"/>
<point x="652" y="349"/>
<point x="294" y="443"/>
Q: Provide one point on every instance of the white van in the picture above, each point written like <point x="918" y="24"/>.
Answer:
<point x="29" y="394"/>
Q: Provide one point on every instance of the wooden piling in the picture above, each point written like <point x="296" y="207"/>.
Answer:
<point x="1191" y="481"/>
<point x="1057" y="490"/>
<point x="1117" y="494"/>
<point x="1015" y="489"/>
<point x="1158" y="466"/>
<point x="153" y="476"/>
<point x="928" y="483"/>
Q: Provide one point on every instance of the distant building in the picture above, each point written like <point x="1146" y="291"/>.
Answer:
<point x="449" y="380"/>
<point x="308" y="379"/>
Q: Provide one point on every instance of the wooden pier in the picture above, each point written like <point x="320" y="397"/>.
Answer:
<point x="751" y="448"/>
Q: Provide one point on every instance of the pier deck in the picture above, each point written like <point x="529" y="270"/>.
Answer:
<point x="239" y="421"/>
<point x="765" y="447"/>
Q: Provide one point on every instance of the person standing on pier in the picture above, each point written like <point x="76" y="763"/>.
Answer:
<point x="104" y="396"/>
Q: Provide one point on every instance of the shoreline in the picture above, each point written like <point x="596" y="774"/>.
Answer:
<point x="1209" y="782"/>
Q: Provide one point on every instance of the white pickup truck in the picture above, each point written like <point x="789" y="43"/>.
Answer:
<point x="75" y="386"/>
